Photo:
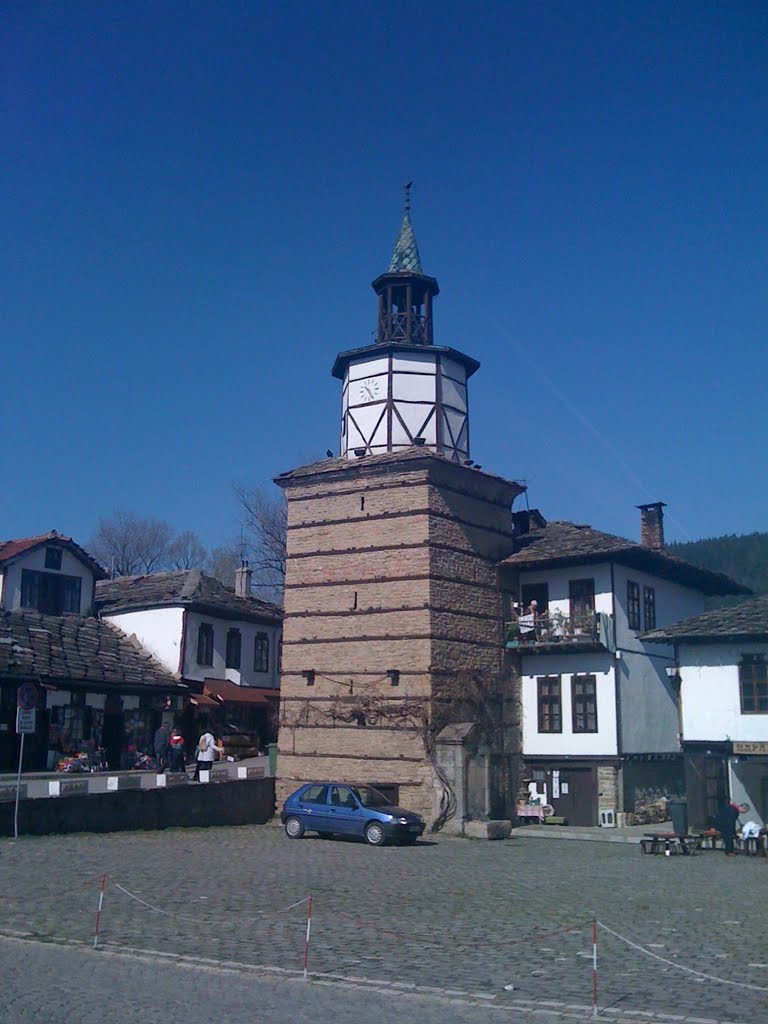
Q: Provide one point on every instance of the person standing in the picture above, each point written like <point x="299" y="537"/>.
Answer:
<point x="177" y="751"/>
<point x="725" y="822"/>
<point x="206" y="754"/>
<point x="161" y="741"/>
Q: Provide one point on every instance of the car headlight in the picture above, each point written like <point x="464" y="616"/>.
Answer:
<point x="401" y="821"/>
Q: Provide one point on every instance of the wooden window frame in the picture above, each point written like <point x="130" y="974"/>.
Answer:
<point x="584" y="719"/>
<point x="649" y="607"/>
<point x="261" y="652"/>
<point x="753" y="673"/>
<point x="234" y="648"/>
<point x="205" y="644"/>
<point x="51" y="593"/>
<point x="633" y="605"/>
<point x="53" y="558"/>
<point x="575" y="598"/>
<point x="549" y="704"/>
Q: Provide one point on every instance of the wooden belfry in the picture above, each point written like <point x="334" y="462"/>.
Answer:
<point x="405" y="292"/>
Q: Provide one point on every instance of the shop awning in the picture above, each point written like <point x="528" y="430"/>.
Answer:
<point x="203" y="701"/>
<point x="231" y="693"/>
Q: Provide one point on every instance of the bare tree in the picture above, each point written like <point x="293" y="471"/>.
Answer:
<point x="186" y="552"/>
<point x="127" y="544"/>
<point x="223" y="562"/>
<point x="265" y="523"/>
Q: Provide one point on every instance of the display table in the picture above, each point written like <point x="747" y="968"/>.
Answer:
<point x="537" y="811"/>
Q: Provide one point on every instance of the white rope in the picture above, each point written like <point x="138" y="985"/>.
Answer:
<point x="680" y="967"/>
<point x="187" y="917"/>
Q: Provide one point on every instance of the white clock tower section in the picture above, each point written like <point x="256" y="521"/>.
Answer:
<point x="404" y="390"/>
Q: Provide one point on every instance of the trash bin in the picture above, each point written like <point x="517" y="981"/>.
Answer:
<point x="272" y="751"/>
<point x="678" y="812"/>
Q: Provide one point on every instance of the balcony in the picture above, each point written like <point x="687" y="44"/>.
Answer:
<point x="559" y="633"/>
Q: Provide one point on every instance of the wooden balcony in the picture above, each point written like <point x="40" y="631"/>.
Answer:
<point x="557" y="633"/>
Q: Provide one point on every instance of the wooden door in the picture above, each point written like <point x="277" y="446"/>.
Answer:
<point x="577" y="799"/>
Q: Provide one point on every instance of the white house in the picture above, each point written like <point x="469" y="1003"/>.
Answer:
<point x="95" y="686"/>
<point x="599" y="709"/>
<point x="222" y="642"/>
<point x="721" y="663"/>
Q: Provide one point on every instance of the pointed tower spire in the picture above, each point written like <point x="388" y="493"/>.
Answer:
<point x="406" y="253"/>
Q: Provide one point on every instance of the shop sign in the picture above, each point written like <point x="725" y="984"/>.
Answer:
<point x="760" y="747"/>
<point x="26" y="696"/>
<point x="25" y="721"/>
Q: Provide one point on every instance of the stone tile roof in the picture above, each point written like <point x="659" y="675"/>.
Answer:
<point x="191" y="588"/>
<point x="744" y="622"/>
<point x="405" y="457"/>
<point x="76" y="649"/>
<point x="10" y="549"/>
<point x="562" y="543"/>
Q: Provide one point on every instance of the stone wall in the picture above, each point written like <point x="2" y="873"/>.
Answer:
<point x="391" y="566"/>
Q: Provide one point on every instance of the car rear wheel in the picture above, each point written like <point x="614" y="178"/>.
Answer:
<point x="294" y="829"/>
<point x="374" y="834"/>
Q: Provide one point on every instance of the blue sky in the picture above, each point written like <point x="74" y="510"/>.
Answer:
<point x="196" y="197"/>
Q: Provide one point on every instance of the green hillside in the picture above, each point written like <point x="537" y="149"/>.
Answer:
<point x="743" y="558"/>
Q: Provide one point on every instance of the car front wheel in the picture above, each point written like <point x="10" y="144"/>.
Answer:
<point x="374" y="834"/>
<point x="294" y="828"/>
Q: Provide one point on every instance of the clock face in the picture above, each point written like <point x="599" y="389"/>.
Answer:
<point x="369" y="389"/>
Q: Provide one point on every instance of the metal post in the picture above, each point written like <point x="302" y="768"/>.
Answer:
<point x="306" y="941"/>
<point x="594" y="967"/>
<point x="18" y="787"/>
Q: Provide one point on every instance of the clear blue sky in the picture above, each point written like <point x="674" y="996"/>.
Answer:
<point x="196" y="197"/>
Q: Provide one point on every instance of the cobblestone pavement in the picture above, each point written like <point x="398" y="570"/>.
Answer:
<point x="468" y="917"/>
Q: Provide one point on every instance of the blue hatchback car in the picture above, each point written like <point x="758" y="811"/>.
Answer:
<point x="336" y="808"/>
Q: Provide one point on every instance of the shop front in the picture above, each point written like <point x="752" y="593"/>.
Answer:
<point x="748" y="778"/>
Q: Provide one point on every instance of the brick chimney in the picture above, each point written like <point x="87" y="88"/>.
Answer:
<point x="243" y="577"/>
<point x="652" y="525"/>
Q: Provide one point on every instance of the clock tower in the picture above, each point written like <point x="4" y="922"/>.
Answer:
<point x="404" y="390"/>
<point x="393" y="626"/>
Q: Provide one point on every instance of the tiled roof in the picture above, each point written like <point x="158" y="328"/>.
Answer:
<point x="10" y="549"/>
<point x="77" y="649"/>
<point x="414" y="454"/>
<point x="563" y="543"/>
<point x="745" y="621"/>
<point x="190" y="588"/>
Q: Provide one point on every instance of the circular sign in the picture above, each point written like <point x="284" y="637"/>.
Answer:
<point x="26" y="698"/>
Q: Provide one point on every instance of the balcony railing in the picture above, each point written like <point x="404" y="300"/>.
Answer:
<point x="539" y="630"/>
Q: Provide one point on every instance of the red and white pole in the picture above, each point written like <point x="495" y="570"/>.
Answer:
<point x="98" y="912"/>
<point x="594" y="967"/>
<point x="306" y="941"/>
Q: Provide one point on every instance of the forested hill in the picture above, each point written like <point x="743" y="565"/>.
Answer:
<point x="743" y="558"/>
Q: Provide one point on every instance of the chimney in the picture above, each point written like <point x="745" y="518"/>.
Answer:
<point x="652" y="525"/>
<point x="243" y="580"/>
<point x="526" y="520"/>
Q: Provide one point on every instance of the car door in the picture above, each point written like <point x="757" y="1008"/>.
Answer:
<point x="344" y="811"/>
<point x="313" y="808"/>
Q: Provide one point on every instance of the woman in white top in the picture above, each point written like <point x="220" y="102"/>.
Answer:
<point x="207" y="750"/>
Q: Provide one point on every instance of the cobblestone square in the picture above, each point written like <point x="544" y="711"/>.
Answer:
<point x="449" y="914"/>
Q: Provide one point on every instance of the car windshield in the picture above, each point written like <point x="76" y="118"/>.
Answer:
<point x="370" y="797"/>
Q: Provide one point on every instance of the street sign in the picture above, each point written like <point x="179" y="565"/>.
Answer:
<point x="26" y="720"/>
<point x="26" y="697"/>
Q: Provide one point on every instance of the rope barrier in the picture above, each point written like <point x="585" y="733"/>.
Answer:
<point x="681" y="967"/>
<point x="188" y="917"/>
<point x="37" y="896"/>
<point x="413" y="937"/>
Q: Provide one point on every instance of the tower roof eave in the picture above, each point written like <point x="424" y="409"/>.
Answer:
<point x="344" y="358"/>
<point x="403" y="277"/>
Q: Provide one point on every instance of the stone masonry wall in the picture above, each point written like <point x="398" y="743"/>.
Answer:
<point x="389" y="567"/>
